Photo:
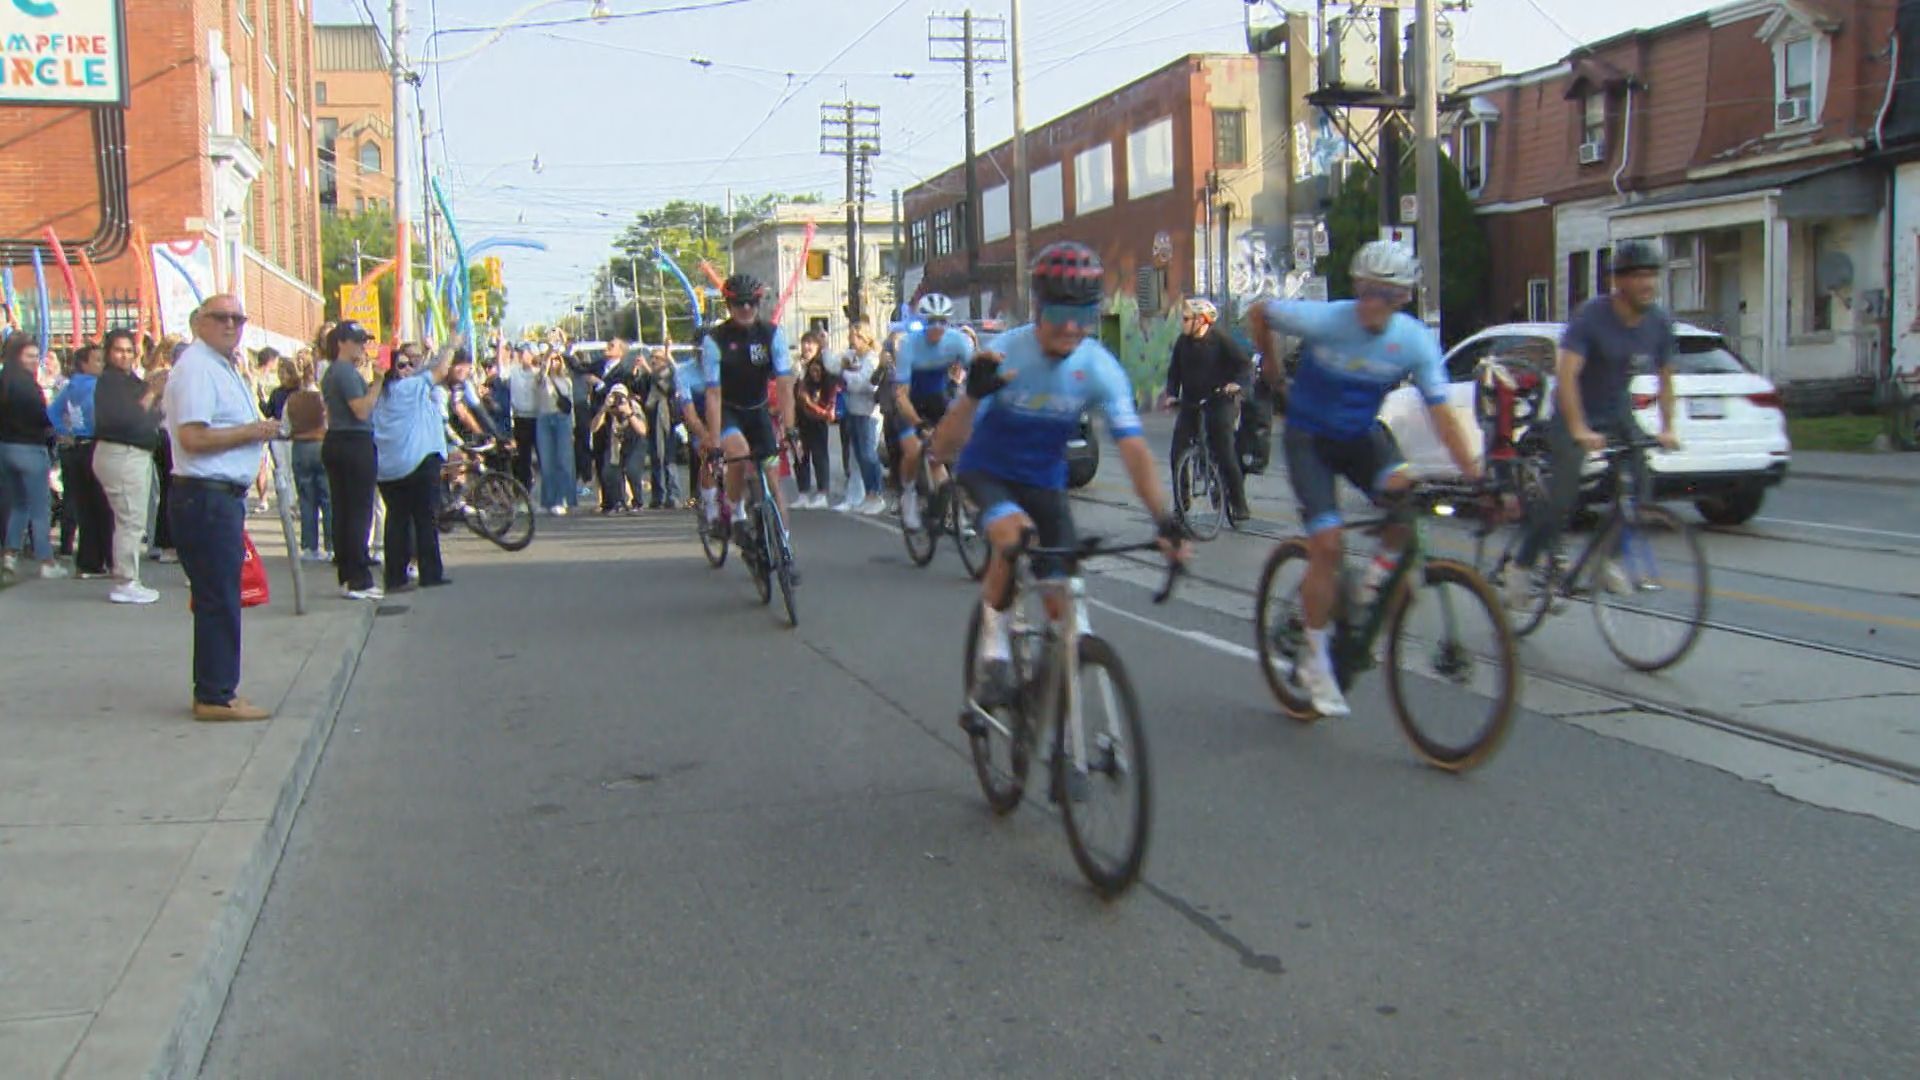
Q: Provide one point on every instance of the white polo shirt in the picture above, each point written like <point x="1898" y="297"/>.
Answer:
<point x="206" y="388"/>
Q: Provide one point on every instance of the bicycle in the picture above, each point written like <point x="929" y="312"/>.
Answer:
<point x="1636" y="593"/>
<point x="1196" y="479"/>
<point x="713" y="535"/>
<point x="1051" y="657"/>
<point x="949" y="509"/>
<point x="483" y="493"/>
<point x="1424" y="599"/>
<point x="768" y="552"/>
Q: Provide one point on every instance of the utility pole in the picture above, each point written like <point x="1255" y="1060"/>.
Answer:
<point x="1022" y="212"/>
<point x="899" y="265"/>
<point x="403" y="328"/>
<point x="729" y="230"/>
<point x="426" y="196"/>
<point x="1426" y="127"/>
<point x="979" y="40"/>
<point x="633" y="274"/>
<point x="1389" y="169"/>
<point x="660" y="297"/>
<point x="852" y="130"/>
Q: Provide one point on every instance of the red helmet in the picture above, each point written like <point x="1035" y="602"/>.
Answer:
<point x="1067" y="272"/>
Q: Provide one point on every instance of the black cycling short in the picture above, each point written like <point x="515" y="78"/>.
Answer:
<point x="1049" y="508"/>
<point x="755" y="425"/>
<point x="931" y="407"/>
<point x="1314" y="460"/>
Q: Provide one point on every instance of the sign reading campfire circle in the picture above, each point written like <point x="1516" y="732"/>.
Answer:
<point x="1162" y="248"/>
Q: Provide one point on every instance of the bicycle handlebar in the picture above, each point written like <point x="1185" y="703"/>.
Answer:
<point x="1088" y="547"/>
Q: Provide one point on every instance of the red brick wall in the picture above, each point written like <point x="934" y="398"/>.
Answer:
<point x="1522" y="243"/>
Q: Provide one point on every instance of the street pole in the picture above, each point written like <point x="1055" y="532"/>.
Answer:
<point x="729" y="230"/>
<point x="899" y="267"/>
<point x="1389" y="157"/>
<point x="660" y="296"/>
<point x="978" y="40"/>
<point x="1426" y="125"/>
<point x="633" y="274"/>
<point x="851" y="130"/>
<point x="973" y="176"/>
<point x="359" y="275"/>
<point x="1018" y="203"/>
<point x="403" y="326"/>
<point x="853" y="228"/>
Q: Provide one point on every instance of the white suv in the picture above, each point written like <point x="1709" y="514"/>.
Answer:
<point x="1733" y="432"/>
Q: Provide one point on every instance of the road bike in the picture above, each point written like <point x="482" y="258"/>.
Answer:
<point x="1200" y="497"/>
<point x="945" y="508"/>
<point x="768" y="548"/>
<point x="482" y="492"/>
<point x="1441" y="620"/>
<point x="713" y="535"/>
<point x="1644" y="569"/>
<point x="1097" y="768"/>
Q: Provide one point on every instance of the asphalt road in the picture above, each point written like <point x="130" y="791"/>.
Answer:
<point x="593" y="812"/>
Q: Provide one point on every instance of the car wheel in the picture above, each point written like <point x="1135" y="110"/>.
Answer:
<point x="1734" y="509"/>
<point x="1083" y="462"/>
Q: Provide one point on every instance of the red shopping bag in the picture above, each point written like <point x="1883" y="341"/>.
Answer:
<point x="253" y="576"/>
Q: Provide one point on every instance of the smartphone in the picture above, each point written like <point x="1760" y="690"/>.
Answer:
<point x="383" y="360"/>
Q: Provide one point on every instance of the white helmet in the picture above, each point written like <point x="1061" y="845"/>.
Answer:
<point x="934" y="306"/>
<point x="1201" y="306"/>
<point x="1386" y="262"/>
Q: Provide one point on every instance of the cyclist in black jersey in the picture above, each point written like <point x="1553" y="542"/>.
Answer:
<point x="737" y="359"/>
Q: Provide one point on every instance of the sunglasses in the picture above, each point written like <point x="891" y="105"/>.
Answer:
<point x="1392" y="294"/>
<point x="231" y="318"/>
<point x="743" y="303"/>
<point x="935" y="322"/>
<point x="1080" y="316"/>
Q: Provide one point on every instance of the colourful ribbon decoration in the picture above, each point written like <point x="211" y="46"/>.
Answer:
<point x="793" y="281"/>
<point x="99" y="299"/>
<point x="6" y="292"/>
<point x="73" y="290"/>
<point x="148" y="319"/>
<point x="40" y="288"/>
<point x="693" y="298"/>
<point x="463" y="283"/>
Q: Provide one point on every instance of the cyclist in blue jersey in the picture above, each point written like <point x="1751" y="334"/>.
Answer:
<point x="737" y="358"/>
<point x="1353" y="353"/>
<point x="689" y="387"/>
<point x="925" y="358"/>
<point x="1024" y="396"/>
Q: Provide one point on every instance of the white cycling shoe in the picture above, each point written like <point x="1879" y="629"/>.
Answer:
<point x="1317" y="680"/>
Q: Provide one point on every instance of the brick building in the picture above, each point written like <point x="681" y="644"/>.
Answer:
<point x="1738" y="138"/>
<point x="1129" y="174"/>
<point x="353" y="119"/>
<point x="219" y="164"/>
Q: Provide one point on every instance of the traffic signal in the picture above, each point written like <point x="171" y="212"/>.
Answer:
<point x="481" y="312"/>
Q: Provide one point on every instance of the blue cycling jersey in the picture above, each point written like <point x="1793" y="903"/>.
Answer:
<point x="1020" y="432"/>
<point x="687" y="381"/>
<point x="1347" y="371"/>
<point x="927" y="362"/>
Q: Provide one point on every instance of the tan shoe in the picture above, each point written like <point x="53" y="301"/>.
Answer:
<point x="237" y="709"/>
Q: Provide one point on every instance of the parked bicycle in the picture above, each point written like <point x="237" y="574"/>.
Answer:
<point x="768" y="551"/>
<point x="1441" y="620"/>
<point x="1200" y="497"/>
<point x="1097" y="768"/>
<point x="1644" y="569"/>
<point x="947" y="509"/>
<point x="482" y="492"/>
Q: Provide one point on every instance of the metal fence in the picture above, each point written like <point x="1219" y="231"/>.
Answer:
<point x="119" y="309"/>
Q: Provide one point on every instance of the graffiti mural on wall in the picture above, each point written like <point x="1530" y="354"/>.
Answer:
<point x="1258" y="265"/>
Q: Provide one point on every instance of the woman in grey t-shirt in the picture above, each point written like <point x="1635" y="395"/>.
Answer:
<point x="350" y="388"/>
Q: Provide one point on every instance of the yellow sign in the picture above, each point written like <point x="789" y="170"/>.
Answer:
<point x="493" y="270"/>
<point x="362" y="306"/>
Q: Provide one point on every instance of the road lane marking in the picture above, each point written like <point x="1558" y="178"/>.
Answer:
<point x="1839" y="528"/>
<point x="1198" y="637"/>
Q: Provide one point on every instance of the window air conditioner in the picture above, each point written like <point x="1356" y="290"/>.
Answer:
<point x="1593" y="153"/>
<point x="1794" y="110"/>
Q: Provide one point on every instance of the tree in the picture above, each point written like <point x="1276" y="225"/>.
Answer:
<point x="373" y="228"/>
<point x="1354" y="219"/>
<point x="688" y="231"/>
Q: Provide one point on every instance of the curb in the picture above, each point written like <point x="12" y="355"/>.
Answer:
<point x="185" y="1044"/>
<point x="1854" y="478"/>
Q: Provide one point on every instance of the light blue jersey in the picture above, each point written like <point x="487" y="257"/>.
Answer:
<point x="1020" y="432"/>
<point x="927" y="362"/>
<point x="687" y="383"/>
<point x="1346" y="371"/>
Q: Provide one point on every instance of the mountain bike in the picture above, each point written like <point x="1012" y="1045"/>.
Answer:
<point x="945" y="508"/>
<point x="1061" y="670"/>
<point x="482" y="492"/>
<point x="1200" y="497"/>
<point x="1441" y="619"/>
<point x="768" y="551"/>
<point x="1643" y="569"/>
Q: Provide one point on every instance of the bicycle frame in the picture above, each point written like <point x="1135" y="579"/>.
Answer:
<point x="1355" y="644"/>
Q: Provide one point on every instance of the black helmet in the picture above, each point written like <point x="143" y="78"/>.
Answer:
<point x="1629" y="255"/>
<point x="1067" y="273"/>
<point x="743" y="289"/>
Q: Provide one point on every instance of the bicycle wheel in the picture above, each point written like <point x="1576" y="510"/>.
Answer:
<point x="780" y="557"/>
<point x="969" y="538"/>
<point x="1649" y="588"/>
<point x="1450" y="629"/>
<point x="1109" y="812"/>
<point x="1198" y="496"/>
<point x="758" y="565"/>
<point x="1000" y="738"/>
<point x="502" y="511"/>
<point x="713" y="539"/>
<point x="1495" y="562"/>
<point x="1281" y="628"/>
<point x="921" y="541"/>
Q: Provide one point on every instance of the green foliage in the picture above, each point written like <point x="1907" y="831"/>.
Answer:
<point x="1354" y="219"/>
<point x="373" y="228"/>
<point x="688" y="231"/>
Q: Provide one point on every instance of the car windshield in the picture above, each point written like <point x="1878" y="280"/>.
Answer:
<point x="1700" y="354"/>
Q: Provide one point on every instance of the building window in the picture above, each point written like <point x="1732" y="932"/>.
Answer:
<point x="1046" y="201"/>
<point x="1229" y="138"/>
<point x="1150" y="159"/>
<point x="819" y="265"/>
<point x="996" y="221"/>
<point x="1603" y="271"/>
<point x="1577" y="289"/>
<point x="320" y="93"/>
<point x="942" y="232"/>
<point x="917" y="241"/>
<point x="370" y="157"/>
<point x="1473" y="156"/>
<point x="1539" y="291"/>
<point x="1683" y="272"/>
<point x="1093" y="179"/>
<point x="963" y="236"/>
<point x="1818" y="303"/>
<point x="1593" y="119"/>
<point x="1793" y="83"/>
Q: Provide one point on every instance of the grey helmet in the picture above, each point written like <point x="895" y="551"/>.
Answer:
<point x="1386" y="262"/>
<point x="1630" y="255"/>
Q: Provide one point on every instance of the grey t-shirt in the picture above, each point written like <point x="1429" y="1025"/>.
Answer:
<point x="1614" y="352"/>
<point x="341" y="384"/>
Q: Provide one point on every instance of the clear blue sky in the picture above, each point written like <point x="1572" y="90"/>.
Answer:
<point x="621" y="117"/>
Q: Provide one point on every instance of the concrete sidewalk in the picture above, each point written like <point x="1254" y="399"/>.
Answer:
<point x="1894" y="469"/>
<point x="136" y="844"/>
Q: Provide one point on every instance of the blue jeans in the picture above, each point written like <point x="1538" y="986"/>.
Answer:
<point x="28" y="496"/>
<point x="553" y="441"/>
<point x="316" y="500"/>
<point x="208" y="525"/>
<point x="863" y="430"/>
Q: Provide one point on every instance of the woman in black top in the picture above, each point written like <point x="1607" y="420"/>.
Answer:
<point x="126" y="429"/>
<point x="814" y="396"/>
<point x="24" y="460"/>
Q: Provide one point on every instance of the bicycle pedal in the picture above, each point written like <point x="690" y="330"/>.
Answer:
<point x="971" y="723"/>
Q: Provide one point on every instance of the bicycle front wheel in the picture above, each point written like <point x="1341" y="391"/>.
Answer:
<point x="1000" y="738"/>
<point x="1198" y="496"/>
<point x="1280" y="627"/>
<point x="1106" y="800"/>
<point x="968" y="535"/>
<point x="1649" y="588"/>
<point x="713" y="537"/>
<point x="759" y="565"/>
<point x="922" y="541"/>
<point x="1450" y="654"/>
<point x="502" y="511"/>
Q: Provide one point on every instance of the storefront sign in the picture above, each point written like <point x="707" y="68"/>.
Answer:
<point x="63" y="52"/>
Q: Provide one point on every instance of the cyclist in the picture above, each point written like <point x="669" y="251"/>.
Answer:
<point x="921" y="374"/>
<point x="1024" y="396"/>
<point x="1353" y="353"/>
<point x="1206" y="364"/>
<point x="1608" y="338"/>
<point x="736" y="359"/>
<point x="688" y="388"/>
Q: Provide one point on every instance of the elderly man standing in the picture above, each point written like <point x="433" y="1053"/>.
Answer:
<point x="216" y="431"/>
